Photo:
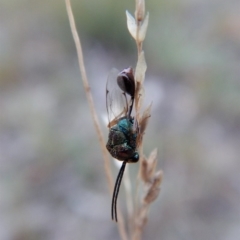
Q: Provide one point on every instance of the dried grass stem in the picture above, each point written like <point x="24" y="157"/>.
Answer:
<point x="107" y="168"/>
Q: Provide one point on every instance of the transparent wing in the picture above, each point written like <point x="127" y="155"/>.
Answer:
<point x="117" y="101"/>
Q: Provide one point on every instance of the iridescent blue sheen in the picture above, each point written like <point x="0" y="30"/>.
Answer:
<point x="122" y="141"/>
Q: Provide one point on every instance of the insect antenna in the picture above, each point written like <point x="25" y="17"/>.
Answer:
<point x="116" y="191"/>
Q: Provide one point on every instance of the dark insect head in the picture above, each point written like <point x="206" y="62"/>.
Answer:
<point x="126" y="81"/>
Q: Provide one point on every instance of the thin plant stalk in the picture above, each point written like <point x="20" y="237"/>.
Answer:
<point x="129" y="200"/>
<point x="147" y="177"/>
<point x="88" y="93"/>
<point x="107" y="168"/>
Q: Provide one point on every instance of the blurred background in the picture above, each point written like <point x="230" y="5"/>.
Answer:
<point x="52" y="180"/>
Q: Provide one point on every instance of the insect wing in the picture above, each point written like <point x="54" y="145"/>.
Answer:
<point x="116" y="99"/>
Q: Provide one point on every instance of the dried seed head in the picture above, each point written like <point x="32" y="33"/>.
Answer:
<point x="139" y="76"/>
<point x="137" y="32"/>
<point x="126" y="81"/>
<point x="151" y="195"/>
<point x="148" y="167"/>
<point x="144" y="170"/>
<point x="139" y="95"/>
<point x="140" y="10"/>
<point x="142" y="218"/>
<point x="141" y="68"/>
<point x="131" y="24"/>
<point x="144" y="119"/>
<point x="154" y="189"/>
<point x="143" y="29"/>
<point x="158" y="177"/>
<point x="152" y="163"/>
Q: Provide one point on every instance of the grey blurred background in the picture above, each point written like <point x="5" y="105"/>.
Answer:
<point x="52" y="181"/>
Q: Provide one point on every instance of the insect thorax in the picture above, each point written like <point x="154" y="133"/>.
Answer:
<point x="122" y="140"/>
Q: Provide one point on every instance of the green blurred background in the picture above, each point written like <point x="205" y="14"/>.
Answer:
<point x="52" y="181"/>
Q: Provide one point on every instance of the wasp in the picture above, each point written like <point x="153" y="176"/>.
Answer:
<point x="123" y="128"/>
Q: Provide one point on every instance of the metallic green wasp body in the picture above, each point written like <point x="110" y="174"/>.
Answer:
<point x="123" y="129"/>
